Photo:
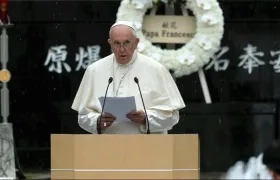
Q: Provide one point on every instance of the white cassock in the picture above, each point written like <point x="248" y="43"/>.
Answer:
<point x="160" y="94"/>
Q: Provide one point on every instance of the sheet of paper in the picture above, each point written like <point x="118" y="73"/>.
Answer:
<point x="118" y="106"/>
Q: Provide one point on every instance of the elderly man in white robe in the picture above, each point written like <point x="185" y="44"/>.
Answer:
<point x="160" y="93"/>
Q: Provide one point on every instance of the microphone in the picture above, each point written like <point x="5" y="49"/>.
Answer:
<point x="99" y="121"/>
<point x="147" y="120"/>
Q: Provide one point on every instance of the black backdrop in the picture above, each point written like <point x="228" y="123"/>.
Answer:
<point x="241" y="122"/>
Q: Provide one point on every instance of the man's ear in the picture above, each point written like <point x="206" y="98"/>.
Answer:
<point x="109" y="41"/>
<point x="137" y="41"/>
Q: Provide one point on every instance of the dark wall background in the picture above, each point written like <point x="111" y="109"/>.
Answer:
<point x="241" y="122"/>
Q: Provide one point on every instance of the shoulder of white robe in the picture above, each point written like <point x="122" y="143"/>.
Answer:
<point x="172" y="89"/>
<point x="83" y="90"/>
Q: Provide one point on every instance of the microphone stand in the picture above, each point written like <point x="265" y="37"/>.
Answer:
<point x="100" y="117"/>
<point x="147" y="121"/>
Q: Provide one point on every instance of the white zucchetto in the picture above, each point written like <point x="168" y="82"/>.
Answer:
<point x="126" y="23"/>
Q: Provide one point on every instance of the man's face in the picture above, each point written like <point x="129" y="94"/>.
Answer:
<point x="123" y="43"/>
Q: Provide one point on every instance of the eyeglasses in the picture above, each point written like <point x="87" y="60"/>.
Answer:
<point x="126" y="44"/>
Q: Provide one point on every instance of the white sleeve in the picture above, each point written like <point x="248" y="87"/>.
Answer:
<point x="161" y="121"/>
<point x="88" y="122"/>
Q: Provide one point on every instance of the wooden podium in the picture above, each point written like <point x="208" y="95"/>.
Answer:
<point x="153" y="156"/>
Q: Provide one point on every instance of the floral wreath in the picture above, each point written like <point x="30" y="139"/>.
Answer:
<point x="194" y="54"/>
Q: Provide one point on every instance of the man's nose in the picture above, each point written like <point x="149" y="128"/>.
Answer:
<point x="122" y="49"/>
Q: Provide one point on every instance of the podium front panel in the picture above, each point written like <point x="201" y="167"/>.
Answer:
<point x="123" y="152"/>
<point x="151" y="156"/>
<point x="125" y="175"/>
<point x="62" y="156"/>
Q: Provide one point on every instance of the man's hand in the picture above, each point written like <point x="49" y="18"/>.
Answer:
<point x="106" y="120"/>
<point x="137" y="117"/>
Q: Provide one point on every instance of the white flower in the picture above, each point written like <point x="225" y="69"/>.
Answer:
<point x="204" y="4"/>
<point x="186" y="58"/>
<point x="155" y="56"/>
<point x="141" y="4"/>
<point x="210" y="19"/>
<point x="140" y="47"/>
<point x="204" y="43"/>
<point x="137" y="25"/>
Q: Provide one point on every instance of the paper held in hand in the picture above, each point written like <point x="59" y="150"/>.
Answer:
<point x="118" y="106"/>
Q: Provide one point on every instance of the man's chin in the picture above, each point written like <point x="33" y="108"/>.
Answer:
<point x="123" y="60"/>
